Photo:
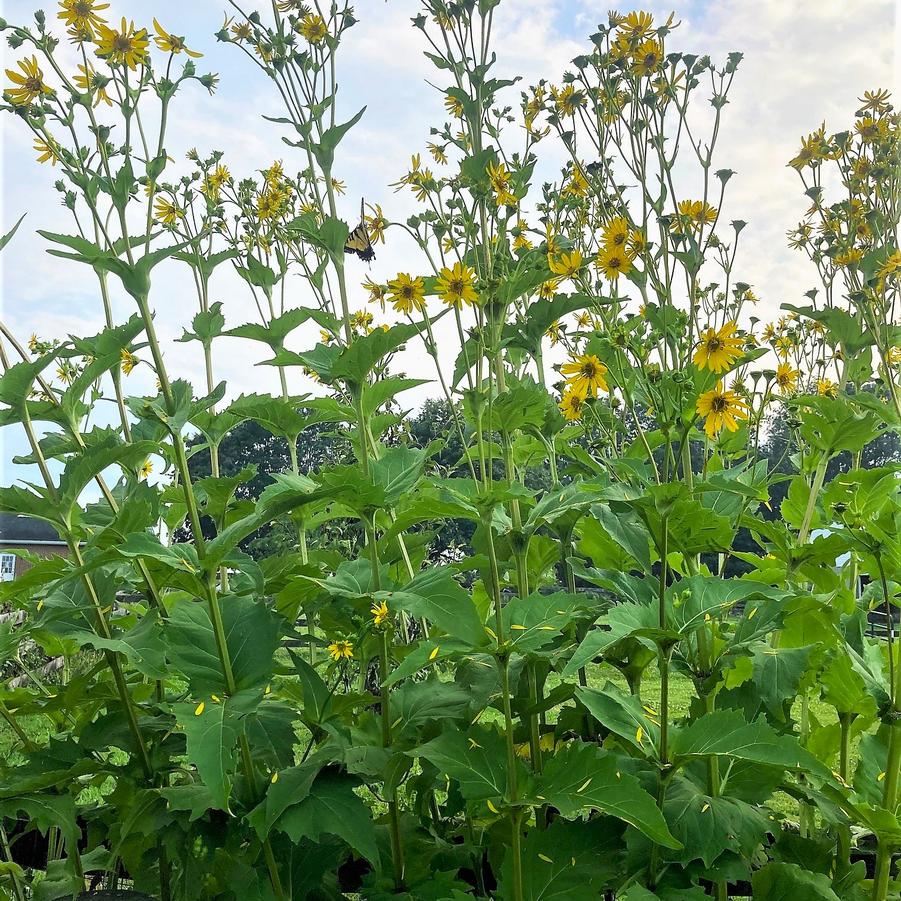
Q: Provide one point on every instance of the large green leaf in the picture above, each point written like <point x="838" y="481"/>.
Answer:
<point x="436" y="596"/>
<point x="581" y="777"/>
<point x="625" y="716"/>
<point x="726" y="733"/>
<point x="252" y="633"/>
<point x="707" y="826"/>
<point x="476" y="760"/>
<point x="212" y="729"/>
<point x="331" y="807"/>
<point x="788" y="882"/>
<point x="532" y="622"/>
<point x="567" y="861"/>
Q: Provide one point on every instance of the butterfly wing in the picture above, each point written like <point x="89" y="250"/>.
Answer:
<point x="358" y="242"/>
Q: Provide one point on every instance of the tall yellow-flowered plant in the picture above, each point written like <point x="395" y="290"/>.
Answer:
<point x="451" y="671"/>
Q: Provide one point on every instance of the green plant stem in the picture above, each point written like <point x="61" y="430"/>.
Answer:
<point x="7" y="715"/>
<point x="8" y="856"/>
<point x="843" y="835"/>
<point x="892" y="766"/>
<point x="212" y="598"/>
<point x="889" y="802"/>
<point x="720" y="886"/>
<point x="664" y="659"/>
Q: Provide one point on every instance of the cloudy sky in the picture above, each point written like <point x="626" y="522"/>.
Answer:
<point x="804" y="62"/>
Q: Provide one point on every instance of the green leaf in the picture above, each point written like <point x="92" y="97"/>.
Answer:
<point x="582" y="777"/>
<point x="5" y="239"/>
<point x="324" y="151"/>
<point x="625" y="716"/>
<point x="212" y="736"/>
<point x="537" y="620"/>
<point x="436" y="596"/>
<point x="726" y="733"/>
<point x="252" y="634"/>
<point x="476" y="760"/>
<point x="278" y="329"/>
<point x="788" y="882"/>
<point x="707" y="826"/>
<point x="332" y="808"/>
<point x="397" y="471"/>
<point x="292" y="786"/>
<point x="356" y="361"/>
<point x="414" y="704"/>
<point x="567" y="861"/>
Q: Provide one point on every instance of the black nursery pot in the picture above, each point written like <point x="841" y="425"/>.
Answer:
<point x="119" y="895"/>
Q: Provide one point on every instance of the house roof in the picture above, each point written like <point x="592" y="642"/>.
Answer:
<point x="17" y="530"/>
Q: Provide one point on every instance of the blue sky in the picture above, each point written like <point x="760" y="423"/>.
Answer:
<point x="805" y="62"/>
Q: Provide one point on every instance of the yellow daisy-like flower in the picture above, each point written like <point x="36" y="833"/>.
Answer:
<point x="362" y="321"/>
<point x="721" y="408"/>
<point x="827" y="388"/>
<point x="215" y="180"/>
<point x="127" y="46"/>
<point x="500" y="184"/>
<point x="786" y="377"/>
<point x="718" y="350"/>
<point x="171" y="43"/>
<point x="637" y="26"/>
<point x="568" y="100"/>
<point x="438" y="153"/>
<point x="128" y="360"/>
<point x="585" y="375"/>
<point x="28" y="85"/>
<point x="274" y="174"/>
<point x="168" y="212"/>
<point x="92" y="82"/>
<point x="616" y="232"/>
<point x="376" y="292"/>
<point x="313" y="28"/>
<point x="376" y="225"/>
<point x="146" y="469"/>
<point x="784" y="346"/>
<point x="82" y="15"/>
<point x="453" y="106"/>
<point x="638" y="243"/>
<point x="571" y="405"/>
<point x="456" y="286"/>
<point x="693" y="214"/>
<point x="613" y="261"/>
<point x="341" y="650"/>
<point x="565" y="264"/>
<point x="577" y="186"/>
<point x="555" y="332"/>
<point x="46" y="150"/>
<point x="891" y="268"/>
<point x="407" y="293"/>
<point x="241" y="31"/>
<point x="66" y="373"/>
<point x="379" y="612"/>
<point x="849" y="257"/>
<point x="268" y="204"/>
<point x="648" y="58"/>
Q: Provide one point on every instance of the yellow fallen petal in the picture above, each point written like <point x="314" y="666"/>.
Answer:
<point x="491" y="807"/>
<point x="274" y="778"/>
<point x="639" y="734"/>
<point x="199" y="708"/>
<point x="434" y="653"/>
<point x="545" y="858"/>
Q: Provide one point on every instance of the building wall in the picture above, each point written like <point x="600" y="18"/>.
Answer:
<point x="39" y="550"/>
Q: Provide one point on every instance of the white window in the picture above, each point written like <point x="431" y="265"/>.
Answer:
<point x="7" y="567"/>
